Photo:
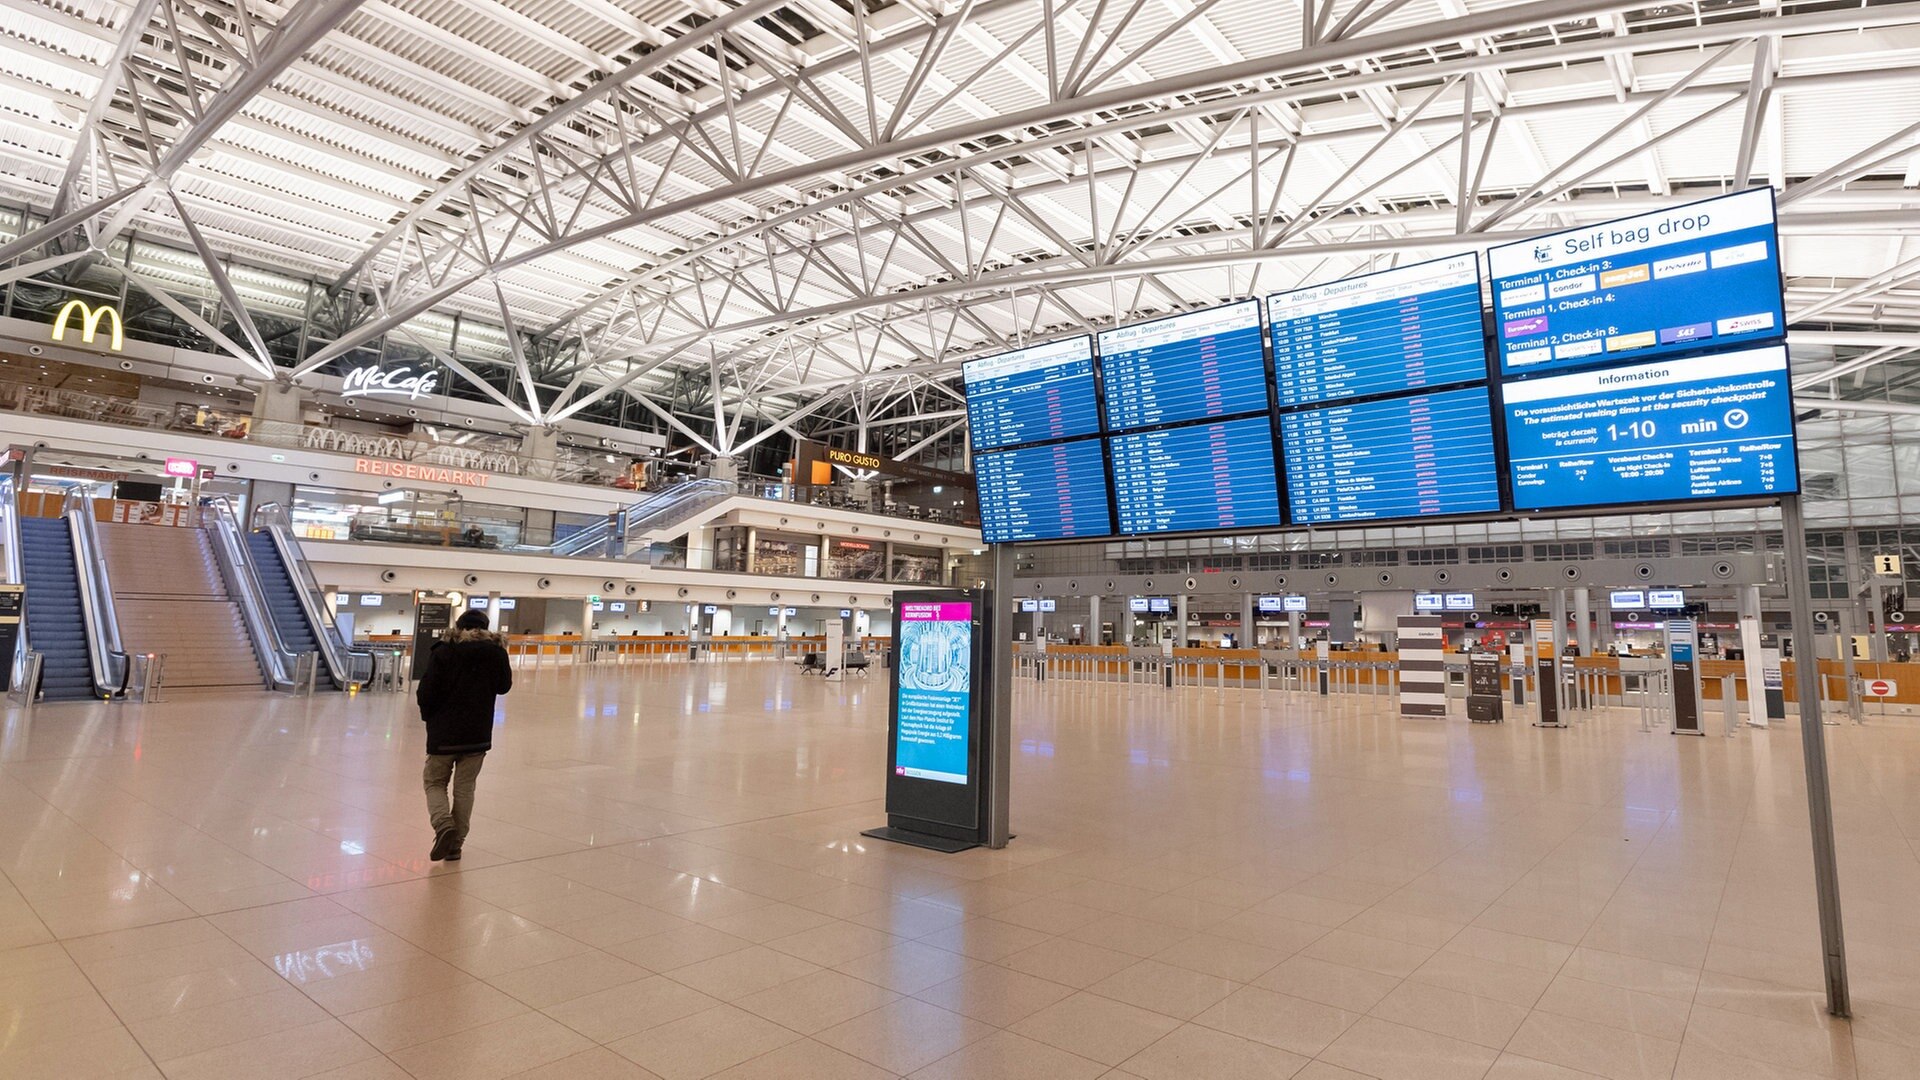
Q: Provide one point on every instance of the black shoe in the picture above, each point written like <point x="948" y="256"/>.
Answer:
<point x="444" y="841"/>
<point x="454" y="855"/>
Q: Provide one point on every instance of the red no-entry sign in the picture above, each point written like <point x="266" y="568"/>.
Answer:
<point x="1882" y="687"/>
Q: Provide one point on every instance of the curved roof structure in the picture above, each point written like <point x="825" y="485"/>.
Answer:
<point x="799" y="199"/>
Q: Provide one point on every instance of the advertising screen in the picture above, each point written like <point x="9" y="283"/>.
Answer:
<point x="1421" y="456"/>
<point x="1408" y="328"/>
<point x="1033" y="395"/>
<point x="934" y="707"/>
<point x="1204" y="477"/>
<point x="1043" y="492"/>
<point x="1708" y="427"/>
<point x="1704" y="275"/>
<point x="1195" y="366"/>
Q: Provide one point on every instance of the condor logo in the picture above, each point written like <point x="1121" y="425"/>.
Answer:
<point x="89" y="323"/>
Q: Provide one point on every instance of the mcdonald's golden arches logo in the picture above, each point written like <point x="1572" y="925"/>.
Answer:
<point x="89" y="323"/>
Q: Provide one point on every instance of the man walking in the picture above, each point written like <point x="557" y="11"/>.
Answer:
<point x="465" y="671"/>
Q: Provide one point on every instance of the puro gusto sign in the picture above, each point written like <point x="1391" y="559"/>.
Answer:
<point x="372" y="380"/>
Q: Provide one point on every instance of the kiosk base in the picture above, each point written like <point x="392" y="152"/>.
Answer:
<point x="942" y="844"/>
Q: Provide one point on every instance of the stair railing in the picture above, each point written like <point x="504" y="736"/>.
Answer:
<point x="13" y="566"/>
<point x="277" y="662"/>
<point x="656" y="510"/>
<point x="348" y="665"/>
<point x="105" y="654"/>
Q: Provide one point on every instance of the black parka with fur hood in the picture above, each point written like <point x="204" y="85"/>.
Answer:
<point x="465" y="671"/>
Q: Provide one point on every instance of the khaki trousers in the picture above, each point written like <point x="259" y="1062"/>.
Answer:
<point x="460" y="772"/>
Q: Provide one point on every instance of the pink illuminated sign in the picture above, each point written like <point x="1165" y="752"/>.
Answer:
<point x="179" y="466"/>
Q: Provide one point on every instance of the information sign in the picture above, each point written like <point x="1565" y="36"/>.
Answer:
<point x="1626" y="600"/>
<point x="1043" y="493"/>
<point x="1200" y="365"/>
<point x="1049" y="605"/>
<point x="1421" y="456"/>
<point x="1408" y="328"/>
<point x="1704" y="275"/>
<point x="1296" y="603"/>
<point x="933" y="704"/>
<point x="1459" y="601"/>
<point x="1029" y="605"/>
<point x="1272" y="603"/>
<point x="1429" y="602"/>
<point x="1137" y="604"/>
<point x="1032" y="395"/>
<point x="1200" y="478"/>
<point x="1701" y="428"/>
<point x="1667" y="599"/>
<point x="1880" y="687"/>
<point x="1160" y="605"/>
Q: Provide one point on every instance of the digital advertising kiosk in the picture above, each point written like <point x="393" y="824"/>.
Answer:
<point x="940" y="743"/>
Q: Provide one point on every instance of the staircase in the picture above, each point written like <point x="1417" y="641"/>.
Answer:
<point x="283" y="604"/>
<point x="55" y="626"/>
<point x="172" y="600"/>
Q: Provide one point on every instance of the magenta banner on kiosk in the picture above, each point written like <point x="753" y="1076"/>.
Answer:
<point x="934" y="703"/>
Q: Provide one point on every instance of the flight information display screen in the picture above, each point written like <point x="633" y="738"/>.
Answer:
<point x="1051" y="492"/>
<point x="1198" y="478"/>
<point x="1706" y="427"/>
<point x="1033" y="395"/>
<point x="1422" y="456"/>
<point x="1196" y="366"/>
<point x="1705" y="275"/>
<point x="1407" y="328"/>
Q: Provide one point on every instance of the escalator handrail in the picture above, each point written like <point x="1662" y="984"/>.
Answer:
<point x="635" y="516"/>
<point x="13" y="566"/>
<point x="347" y="664"/>
<point x="243" y="584"/>
<point x="106" y="655"/>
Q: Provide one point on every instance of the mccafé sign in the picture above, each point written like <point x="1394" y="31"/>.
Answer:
<point x="90" y="319"/>
<point x="404" y="381"/>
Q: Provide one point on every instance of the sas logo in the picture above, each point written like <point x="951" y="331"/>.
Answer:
<point x="89" y="323"/>
<point x="1543" y="253"/>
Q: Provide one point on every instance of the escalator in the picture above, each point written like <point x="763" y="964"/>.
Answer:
<point x="283" y="603"/>
<point x="660" y="510"/>
<point x="55" y="621"/>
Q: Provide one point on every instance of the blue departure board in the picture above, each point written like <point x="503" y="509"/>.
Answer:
<point x="1426" y="455"/>
<point x="1703" y="427"/>
<point x="1051" y="492"/>
<point x="1701" y="276"/>
<point x="1408" y="328"/>
<point x="1032" y="395"/>
<point x="1196" y="366"/>
<point x="1198" y="478"/>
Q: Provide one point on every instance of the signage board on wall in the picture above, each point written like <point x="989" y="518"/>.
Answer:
<point x="370" y="599"/>
<point x="404" y="381"/>
<point x="1626" y="599"/>
<point x="508" y="603"/>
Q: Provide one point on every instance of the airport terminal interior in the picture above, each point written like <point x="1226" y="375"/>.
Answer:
<point x="959" y="540"/>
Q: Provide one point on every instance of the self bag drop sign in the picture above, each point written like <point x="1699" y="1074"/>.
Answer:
<point x="1705" y="275"/>
<point x="933" y="709"/>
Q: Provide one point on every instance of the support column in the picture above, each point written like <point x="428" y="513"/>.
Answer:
<point x="1180" y="623"/>
<point x="279" y="402"/>
<point x="1583" y="620"/>
<point x="1813" y="742"/>
<point x="1754" y="663"/>
<point x="1246" y="639"/>
<point x="541" y="444"/>
<point x="724" y="468"/>
<point x="1126" y="626"/>
<point x="1093" y="620"/>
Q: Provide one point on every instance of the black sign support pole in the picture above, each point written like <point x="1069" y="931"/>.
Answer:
<point x="999" y="720"/>
<point x="1813" y="744"/>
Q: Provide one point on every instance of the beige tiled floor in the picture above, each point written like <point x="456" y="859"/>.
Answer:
<point x="666" y="880"/>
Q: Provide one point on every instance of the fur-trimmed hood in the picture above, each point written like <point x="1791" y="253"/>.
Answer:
<point x="455" y="636"/>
